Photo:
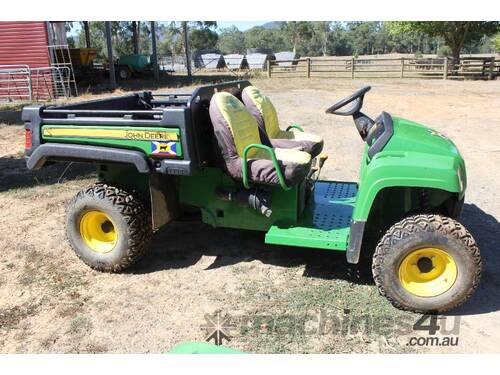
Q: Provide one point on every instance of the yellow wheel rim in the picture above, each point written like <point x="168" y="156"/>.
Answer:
<point x="98" y="231"/>
<point x="428" y="272"/>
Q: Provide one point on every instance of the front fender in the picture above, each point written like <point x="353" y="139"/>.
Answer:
<point x="407" y="169"/>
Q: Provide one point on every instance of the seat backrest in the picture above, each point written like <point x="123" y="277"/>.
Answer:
<point x="261" y="107"/>
<point x="234" y="126"/>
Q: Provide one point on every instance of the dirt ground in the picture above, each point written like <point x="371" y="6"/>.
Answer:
<point x="276" y="297"/>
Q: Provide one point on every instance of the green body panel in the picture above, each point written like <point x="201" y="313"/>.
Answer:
<point x="144" y="145"/>
<point x="202" y="348"/>
<point x="325" y="222"/>
<point x="200" y="191"/>
<point x="415" y="156"/>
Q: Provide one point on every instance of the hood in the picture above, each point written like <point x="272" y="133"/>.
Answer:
<point x="410" y="136"/>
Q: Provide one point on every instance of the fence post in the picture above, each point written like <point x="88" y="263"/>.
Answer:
<point x="30" y="85"/>
<point x="445" y="68"/>
<point x="268" y="68"/>
<point x="402" y="66"/>
<point x="492" y="68"/>
<point x="352" y="67"/>
<point x="308" y="67"/>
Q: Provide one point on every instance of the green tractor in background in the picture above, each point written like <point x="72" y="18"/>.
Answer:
<point x="221" y="152"/>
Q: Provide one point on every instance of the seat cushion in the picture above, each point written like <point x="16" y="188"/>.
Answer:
<point x="303" y="141"/>
<point x="261" y="107"/>
<point x="294" y="165"/>
<point x="235" y="128"/>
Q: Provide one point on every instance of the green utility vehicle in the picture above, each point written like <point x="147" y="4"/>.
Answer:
<point x="221" y="153"/>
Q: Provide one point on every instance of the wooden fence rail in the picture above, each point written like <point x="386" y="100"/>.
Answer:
<point x="468" y="67"/>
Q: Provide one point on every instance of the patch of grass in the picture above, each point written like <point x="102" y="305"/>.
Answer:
<point x="12" y="316"/>
<point x="42" y="269"/>
<point x="79" y="324"/>
<point x="321" y="316"/>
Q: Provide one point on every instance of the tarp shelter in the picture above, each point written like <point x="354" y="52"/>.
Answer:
<point x="283" y="58"/>
<point x="257" y="60"/>
<point x="212" y="61"/>
<point x="196" y="59"/>
<point x="235" y="61"/>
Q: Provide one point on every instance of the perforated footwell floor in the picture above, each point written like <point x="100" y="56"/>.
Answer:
<point x="325" y="222"/>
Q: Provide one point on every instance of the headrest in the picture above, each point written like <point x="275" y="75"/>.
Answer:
<point x="261" y="107"/>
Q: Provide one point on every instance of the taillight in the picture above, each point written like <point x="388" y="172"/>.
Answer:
<point x="27" y="139"/>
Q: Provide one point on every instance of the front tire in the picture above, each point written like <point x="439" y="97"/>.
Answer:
<point x="427" y="264"/>
<point x="108" y="228"/>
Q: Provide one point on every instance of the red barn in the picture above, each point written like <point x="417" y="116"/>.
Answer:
<point x="24" y="46"/>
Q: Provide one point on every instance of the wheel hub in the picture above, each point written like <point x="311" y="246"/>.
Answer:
<point x="98" y="231"/>
<point x="428" y="272"/>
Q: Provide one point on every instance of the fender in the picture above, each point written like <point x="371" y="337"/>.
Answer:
<point x="85" y="153"/>
<point x="410" y="169"/>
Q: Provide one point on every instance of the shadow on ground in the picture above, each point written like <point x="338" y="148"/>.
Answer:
<point x="15" y="175"/>
<point x="182" y="244"/>
<point x="486" y="230"/>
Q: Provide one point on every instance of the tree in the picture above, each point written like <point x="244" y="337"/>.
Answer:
<point x="320" y="38"/>
<point x="496" y="42"/>
<point x="200" y="34"/>
<point x="338" y="44"/>
<point x="297" y="31"/>
<point x="362" y="35"/>
<point x="231" y="40"/>
<point x="202" y="38"/>
<point x="456" y="34"/>
<point x="260" y="37"/>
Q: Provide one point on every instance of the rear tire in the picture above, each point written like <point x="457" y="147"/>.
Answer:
<point x="427" y="264"/>
<point x="108" y="228"/>
<point x="124" y="73"/>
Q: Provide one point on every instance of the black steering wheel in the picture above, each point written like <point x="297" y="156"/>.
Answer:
<point x="356" y="97"/>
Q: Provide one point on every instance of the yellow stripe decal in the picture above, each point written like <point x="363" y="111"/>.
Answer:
<point x="137" y="135"/>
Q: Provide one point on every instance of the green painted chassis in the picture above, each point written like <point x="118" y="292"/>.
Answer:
<point x="423" y="175"/>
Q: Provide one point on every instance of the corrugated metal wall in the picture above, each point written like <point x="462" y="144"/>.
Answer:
<point x="24" y="45"/>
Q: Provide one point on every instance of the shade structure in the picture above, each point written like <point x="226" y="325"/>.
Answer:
<point x="235" y="61"/>
<point x="196" y="59"/>
<point x="257" y="60"/>
<point x="212" y="61"/>
<point x="283" y="58"/>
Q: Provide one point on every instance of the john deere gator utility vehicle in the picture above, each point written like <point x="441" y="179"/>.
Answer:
<point x="221" y="152"/>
